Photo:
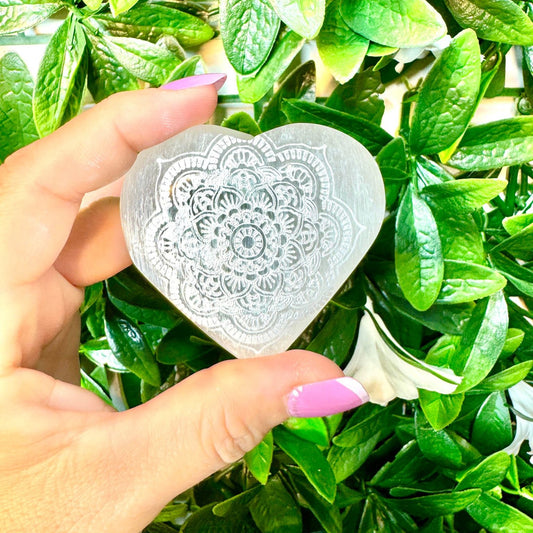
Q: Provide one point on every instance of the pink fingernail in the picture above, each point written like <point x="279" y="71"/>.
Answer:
<point x="326" y="397"/>
<point x="216" y="80"/>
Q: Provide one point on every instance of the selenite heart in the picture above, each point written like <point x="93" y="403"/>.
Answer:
<point x="250" y="237"/>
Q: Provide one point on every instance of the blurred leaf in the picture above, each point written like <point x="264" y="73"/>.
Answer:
<point x="310" y="459"/>
<point x="203" y="521"/>
<point x="16" y="113"/>
<point x="304" y="17"/>
<point x="517" y="223"/>
<point x="19" y="15"/>
<point x="88" y="383"/>
<point x="120" y="6"/>
<point x="249" y="29"/>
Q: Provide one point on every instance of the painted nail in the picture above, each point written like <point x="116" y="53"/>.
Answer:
<point x="216" y="80"/>
<point x="326" y="397"/>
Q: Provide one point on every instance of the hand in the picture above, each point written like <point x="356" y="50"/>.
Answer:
<point x="67" y="461"/>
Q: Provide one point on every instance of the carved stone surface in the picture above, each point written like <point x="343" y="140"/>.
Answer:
<point x="251" y="236"/>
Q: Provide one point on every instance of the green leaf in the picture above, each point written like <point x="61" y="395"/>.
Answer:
<point x="242" y="121"/>
<point x="346" y="461"/>
<point x="496" y="20"/>
<point x="300" y="83"/>
<point x="361" y="97"/>
<point x="520" y="276"/>
<point x="492" y="426"/>
<point x="106" y="74"/>
<point x="520" y="245"/>
<point x="130" y="347"/>
<point x="120" y="6"/>
<point x="248" y="29"/>
<point x="440" y="409"/>
<point x="494" y="145"/>
<point x="482" y="341"/>
<point x="310" y="459"/>
<point x="335" y="338"/>
<point x="447" y="97"/>
<point x="406" y="24"/>
<point x="341" y="50"/>
<point x="274" y="510"/>
<point x="498" y="517"/>
<point x="88" y="383"/>
<point x="466" y="282"/>
<point x="56" y="78"/>
<point x="418" y="255"/>
<point x="151" y="21"/>
<point x="305" y="17"/>
<point x="379" y="516"/>
<point x="513" y="340"/>
<point x="172" y="511"/>
<point x="19" y="15"/>
<point x="235" y="504"/>
<point x="437" y="504"/>
<point x="326" y="513"/>
<point x="463" y="196"/>
<point x="99" y="352"/>
<point x="372" y="137"/>
<point x="204" y="521"/>
<point x="253" y="88"/>
<point x="311" y="429"/>
<point x="16" y="114"/>
<point x="146" y="61"/>
<point x="259" y="459"/>
<point x="506" y="378"/>
<point x="517" y="223"/>
<point x="487" y="474"/>
<point x="186" y="68"/>
<point x="182" y="344"/>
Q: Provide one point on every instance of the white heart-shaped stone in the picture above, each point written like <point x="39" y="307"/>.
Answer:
<point x="250" y="237"/>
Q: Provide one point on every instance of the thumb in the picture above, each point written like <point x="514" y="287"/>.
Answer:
<point x="214" y="417"/>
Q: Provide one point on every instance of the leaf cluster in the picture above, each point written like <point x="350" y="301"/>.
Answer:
<point x="450" y="273"/>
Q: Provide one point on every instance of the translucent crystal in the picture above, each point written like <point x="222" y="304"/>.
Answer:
<point x="250" y="237"/>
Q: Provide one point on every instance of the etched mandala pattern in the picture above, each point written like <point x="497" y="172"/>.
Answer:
<point x="243" y="231"/>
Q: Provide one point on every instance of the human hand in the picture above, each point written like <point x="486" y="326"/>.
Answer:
<point x="67" y="461"/>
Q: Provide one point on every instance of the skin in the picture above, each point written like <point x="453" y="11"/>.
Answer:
<point x="68" y="462"/>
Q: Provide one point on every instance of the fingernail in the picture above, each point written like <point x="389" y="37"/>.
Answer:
<point x="216" y="80"/>
<point x="326" y="397"/>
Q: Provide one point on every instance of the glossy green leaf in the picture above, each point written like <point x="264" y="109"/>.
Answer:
<point x="182" y="344"/>
<point x="99" y="352"/>
<point x="235" y="504"/>
<point x="466" y="282"/>
<point x="520" y="245"/>
<point x="274" y="510"/>
<point x="517" y="223"/>
<point x="248" y="29"/>
<point x="447" y="97"/>
<point x="335" y="339"/>
<point x="521" y="277"/>
<point x="418" y="255"/>
<point x="341" y="49"/>
<point x="440" y="409"/>
<point x="55" y="84"/>
<point x="513" y="340"/>
<point x="310" y="459"/>
<point x="259" y="459"/>
<point x="203" y="520"/>
<point x="437" y="504"/>
<point x="372" y="137"/>
<point x="130" y="346"/>
<point x="241" y="121"/>
<point x="502" y="21"/>
<point x="327" y="514"/>
<point x="300" y="83"/>
<point x="482" y="341"/>
<point x="361" y="97"/>
<point x="498" y="517"/>
<point x="106" y="74"/>
<point x="305" y="17"/>
<point x="16" y="114"/>
<point x="151" y="21"/>
<point x="379" y="516"/>
<point x="463" y="196"/>
<point x="492" y="426"/>
<point x="88" y="383"/>
<point x="146" y="61"/>
<point x="487" y="474"/>
<point x="253" y="88"/>
<point x="120" y="6"/>
<point x="172" y="511"/>
<point x="506" y="378"/>
<point x="406" y="24"/>
<point x="496" y="144"/>
<point x="19" y="15"/>
<point x="312" y="429"/>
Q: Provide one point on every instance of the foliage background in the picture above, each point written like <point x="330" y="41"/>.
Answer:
<point x="450" y="272"/>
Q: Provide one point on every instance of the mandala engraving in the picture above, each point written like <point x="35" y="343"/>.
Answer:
<point x="244" y="233"/>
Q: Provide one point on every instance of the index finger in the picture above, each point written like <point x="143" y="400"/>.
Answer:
<point x="42" y="185"/>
